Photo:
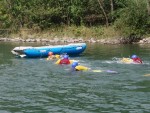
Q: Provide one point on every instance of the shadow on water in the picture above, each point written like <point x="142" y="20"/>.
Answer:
<point x="38" y="85"/>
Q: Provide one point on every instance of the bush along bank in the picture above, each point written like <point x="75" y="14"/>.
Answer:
<point x="73" y="34"/>
<point x="94" y="21"/>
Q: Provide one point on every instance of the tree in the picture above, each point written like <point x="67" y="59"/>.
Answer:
<point x="133" y="19"/>
<point x="112" y="8"/>
<point x="148" y="6"/>
<point x="104" y="13"/>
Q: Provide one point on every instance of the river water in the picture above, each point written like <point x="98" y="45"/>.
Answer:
<point x="40" y="86"/>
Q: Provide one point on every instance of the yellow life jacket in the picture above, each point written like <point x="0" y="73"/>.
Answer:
<point x="147" y="75"/>
<point x="53" y="57"/>
<point x="50" y="58"/>
<point x="81" y="68"/>
<point x="71" y="61"/>
<point x="57" y="56"/>
<point x="58" y="61"/>
<point x="127" y="60"/>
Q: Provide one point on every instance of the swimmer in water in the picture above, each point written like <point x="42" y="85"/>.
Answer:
<point x="51" y="56"/>
<point x="136" y="59"/>
<point x="76" y="67"/>
<point x="64" y="60"/>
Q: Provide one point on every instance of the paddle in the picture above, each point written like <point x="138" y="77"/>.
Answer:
<point x="147" y="75"/>
<point x="108" y="71"/>
<point x="97" y="71"/>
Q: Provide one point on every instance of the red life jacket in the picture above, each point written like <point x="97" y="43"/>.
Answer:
<point x="137" y="60"/>
<point x="64" y="61"/>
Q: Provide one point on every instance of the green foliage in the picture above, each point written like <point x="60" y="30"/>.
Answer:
<point x="133" y="19"/>
<point x="129" y="16"/>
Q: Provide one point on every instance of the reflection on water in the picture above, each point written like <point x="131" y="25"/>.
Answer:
<point x="40" y="86"/>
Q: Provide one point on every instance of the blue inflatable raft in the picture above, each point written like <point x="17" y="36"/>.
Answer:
<point x="34" y="52"/>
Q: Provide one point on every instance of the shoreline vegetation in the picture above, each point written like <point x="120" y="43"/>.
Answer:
<point x="71" y="34"/>
<point x="102" y="21"/>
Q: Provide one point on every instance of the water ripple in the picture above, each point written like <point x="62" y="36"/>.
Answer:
<point x="40" y="86"/>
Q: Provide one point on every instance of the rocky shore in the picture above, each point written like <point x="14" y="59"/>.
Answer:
<point x="144" y="41"/>
<point x="75" y="40"/>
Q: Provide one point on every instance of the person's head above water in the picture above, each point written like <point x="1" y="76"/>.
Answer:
<point x="65" y="56"/>
<point x="134" y="56"/>
<point x="74" y="64"/>
<point x="50" y="53"/>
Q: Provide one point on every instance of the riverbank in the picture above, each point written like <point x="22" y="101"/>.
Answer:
<point x="72" y="34"/>
<point x="74" y="40"/>
<point x="61" y="40"/>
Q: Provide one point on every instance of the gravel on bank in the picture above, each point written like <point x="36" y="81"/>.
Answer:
<point x="75" y="40"/>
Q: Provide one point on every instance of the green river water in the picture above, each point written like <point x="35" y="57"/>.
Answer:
<point x="40" y="86"/>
